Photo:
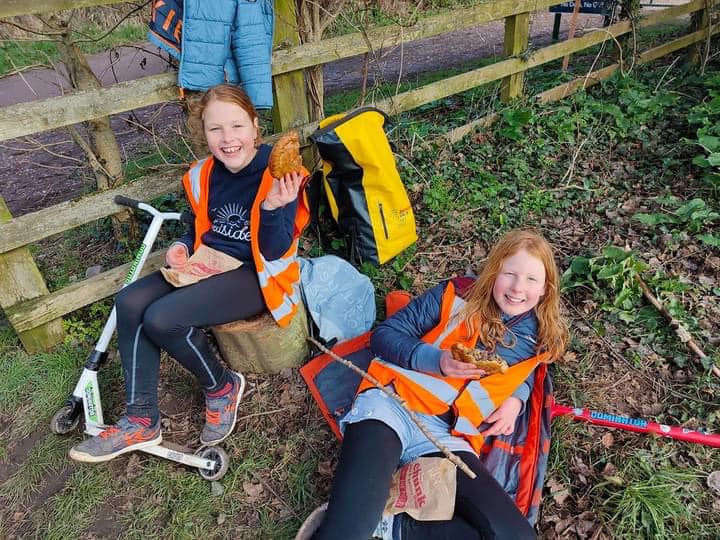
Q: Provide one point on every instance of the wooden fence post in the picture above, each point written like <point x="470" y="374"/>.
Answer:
<point x="517" y="34"/>
<point x="21" y="280"/>
<point x="290" y="98"/>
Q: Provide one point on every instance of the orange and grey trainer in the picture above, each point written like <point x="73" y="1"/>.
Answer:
<point x="125" y="436"/>
<point x="221" y="412"/>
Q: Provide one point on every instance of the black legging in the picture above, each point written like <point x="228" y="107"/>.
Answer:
<point x="370" y="454"/>
<point x="154" y="315"/>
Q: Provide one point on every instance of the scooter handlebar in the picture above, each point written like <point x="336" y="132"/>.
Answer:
<point x="122" y="200"/>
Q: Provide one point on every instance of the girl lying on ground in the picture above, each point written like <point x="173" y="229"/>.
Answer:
<point x="511" y="309"/>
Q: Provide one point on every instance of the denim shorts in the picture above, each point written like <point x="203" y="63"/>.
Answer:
<point x="374" y="404"/>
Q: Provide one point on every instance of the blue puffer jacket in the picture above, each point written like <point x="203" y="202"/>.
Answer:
<point x="221" y="41"/>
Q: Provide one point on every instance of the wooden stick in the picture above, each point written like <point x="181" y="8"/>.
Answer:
<point x="460" y="464"/>
<point x="571" y="31"/>
<point x="676" y="325"/>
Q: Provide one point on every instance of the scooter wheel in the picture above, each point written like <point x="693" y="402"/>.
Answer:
<point x="64" y="421"/>
<point x="221" y="459"/>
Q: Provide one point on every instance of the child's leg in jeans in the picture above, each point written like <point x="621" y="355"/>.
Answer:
<point x="369" y="455"/>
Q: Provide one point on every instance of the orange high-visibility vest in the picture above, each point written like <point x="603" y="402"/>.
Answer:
<point x="471" y="400"/>
<point x="279" y="279"/>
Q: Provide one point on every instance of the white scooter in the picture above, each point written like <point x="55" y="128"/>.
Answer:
<point x="212" y="461"/>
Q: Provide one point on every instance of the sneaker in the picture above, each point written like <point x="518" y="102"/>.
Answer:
<point x="125" y="436"/>
<point x="312" y="523"/>
<point x="221" y="412"/>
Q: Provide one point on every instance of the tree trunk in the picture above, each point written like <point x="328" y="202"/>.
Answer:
<point x="103" y="152"/>
<point x="628" y="9"/>
<point x="314" y="17"/>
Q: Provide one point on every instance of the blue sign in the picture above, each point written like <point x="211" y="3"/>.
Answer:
<point x="600" y="7"/>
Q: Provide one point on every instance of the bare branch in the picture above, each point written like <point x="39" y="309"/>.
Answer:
<point x="39" y="146"/>
<point x="95" y="164"/>
<point x="677" y="326"/>
<point x="30" y="31"/>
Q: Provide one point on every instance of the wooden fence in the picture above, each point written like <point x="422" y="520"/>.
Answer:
<point x="36" y="314"/>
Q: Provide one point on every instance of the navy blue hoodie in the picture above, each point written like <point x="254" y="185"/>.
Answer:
<point x="230" y="202"/>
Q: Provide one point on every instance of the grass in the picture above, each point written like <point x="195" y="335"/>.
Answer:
<point x="47" y="458"/>
<point x="401" y="12"/>
<point x="17" y="55"/>
<point x="180" y="505"/>
<point x="34" y="386"/>
<point x="654" y="498"/>
<point x="73" y="509"/>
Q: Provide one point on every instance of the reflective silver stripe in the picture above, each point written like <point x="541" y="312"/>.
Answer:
<point x="283" y="309"/>
<point x="463" y="425"/>
<point x="273" y="268"/>
<point x="439" y="388"/>
<point x="458" y="304"/>
<point x="134" y="364"/>
<point x="194" y="173"/>
<point x="264" y="278"/>
<point x="200" y="356"/>
<point x="481" y="397"/>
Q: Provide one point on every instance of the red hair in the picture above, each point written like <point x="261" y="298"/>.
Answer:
<point x="482" y="313"/>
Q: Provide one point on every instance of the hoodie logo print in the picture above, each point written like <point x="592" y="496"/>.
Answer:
<point x="232" y="222"/>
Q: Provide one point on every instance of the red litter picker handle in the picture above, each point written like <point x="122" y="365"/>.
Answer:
<point x="636" y="424"/>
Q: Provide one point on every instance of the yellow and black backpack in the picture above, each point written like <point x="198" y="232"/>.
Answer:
<point x="367" y="199"/>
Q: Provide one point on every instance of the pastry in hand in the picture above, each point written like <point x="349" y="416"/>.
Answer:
<point x="490" y="363"/>
<point x="285" y="155"/>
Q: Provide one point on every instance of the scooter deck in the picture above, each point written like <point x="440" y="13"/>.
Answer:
<point x="167" y="450"/>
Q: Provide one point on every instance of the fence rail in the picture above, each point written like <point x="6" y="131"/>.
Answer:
<point x="57" y="112"/>
<point x="29" y="311"/>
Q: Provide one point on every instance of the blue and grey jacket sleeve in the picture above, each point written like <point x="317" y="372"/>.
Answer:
<point x="398" y="339"/>
<point x="188" y="239"/>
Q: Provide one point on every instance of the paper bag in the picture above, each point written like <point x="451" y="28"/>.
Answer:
<point x="205" y="262"/>
<point x="425" y="489"/>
